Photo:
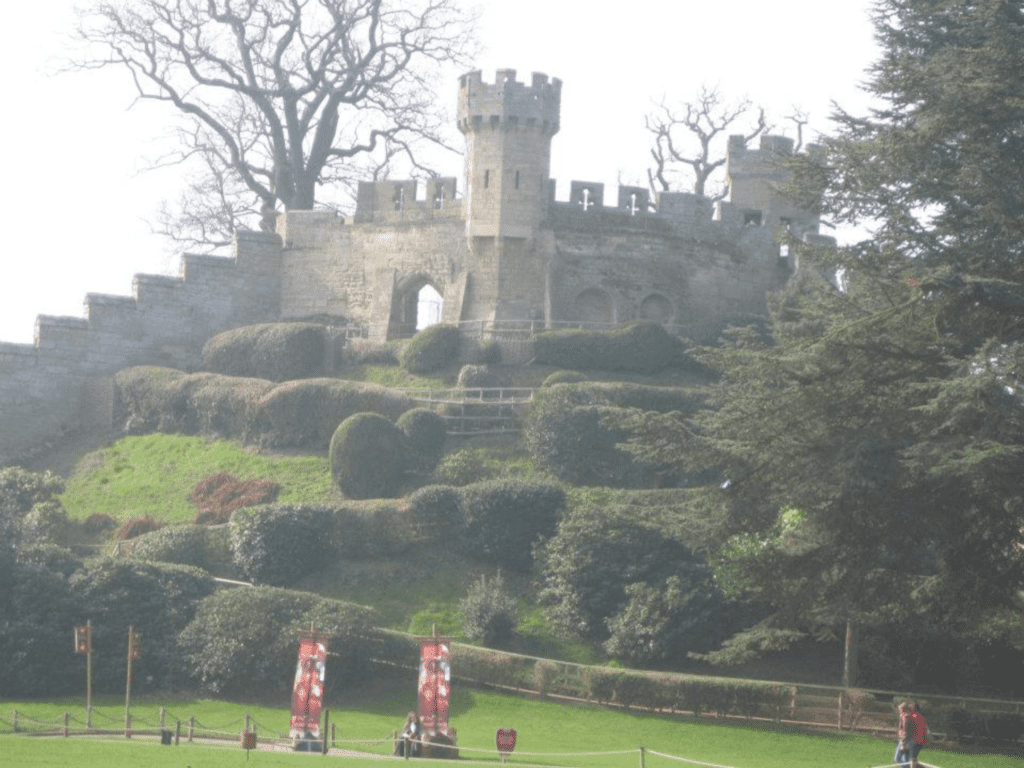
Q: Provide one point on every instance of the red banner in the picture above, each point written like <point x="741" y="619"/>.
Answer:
<point x="434" y="685"/>
<point x="308" y="693"/>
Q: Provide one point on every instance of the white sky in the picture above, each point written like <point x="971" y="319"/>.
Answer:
<point x="76" y="206"/>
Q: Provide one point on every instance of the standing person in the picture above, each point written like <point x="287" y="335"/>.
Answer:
<point x="920" y="728"/>
<point x="902" y="756"/>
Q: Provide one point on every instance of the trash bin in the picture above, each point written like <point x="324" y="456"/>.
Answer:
<point x="166" y="736"/>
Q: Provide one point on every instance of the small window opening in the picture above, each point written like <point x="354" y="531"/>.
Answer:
<point x="400" y="199"/>
<point x="517" y="179"/>
<point x="585" y="202"/>
<point x="752" y="219"/>
<point x="487" y="179"/>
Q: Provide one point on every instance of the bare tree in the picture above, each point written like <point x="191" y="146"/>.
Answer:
<point x="690" y="135"/>
<point x="280" y="96"/>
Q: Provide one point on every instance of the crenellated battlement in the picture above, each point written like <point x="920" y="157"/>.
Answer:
<point x="508" y="103"/>
<point x="395" y="201"/>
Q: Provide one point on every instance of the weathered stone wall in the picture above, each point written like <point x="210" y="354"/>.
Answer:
<point x="61" y="383"/>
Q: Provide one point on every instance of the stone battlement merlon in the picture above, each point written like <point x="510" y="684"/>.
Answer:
<point x="509" y="103"/>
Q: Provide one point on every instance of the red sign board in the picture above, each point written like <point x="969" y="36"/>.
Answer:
<point x="434" y="686"/>
<point x="506" y="739"/>
<point x="308" y="692"/>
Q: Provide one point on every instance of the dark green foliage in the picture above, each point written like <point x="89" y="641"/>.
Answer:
<point x="274" y="351"/>
<point x="243" y="642"/>
<point x="181" y="544"/>
<point x="368" y="457"/>
<point x="37" y="612"/>
<point x="489" y="611"/>
<point x="461" y="468"/>
<point x="432" y="349"/>
<point x="278" y="546"/>
<point x="425" y="433"/>
<point x="489" y="353"/>
<point x="568" y="431"/>
<point x="157" y="599"/>
<point x="662" y="622"/>
<point x="295" y="413"/>
<point x="564" y="377"/>
<point x="51" y="556"/>
<point x="437" y="509"/>
<point x="506" y="518"/>
<point x="46" y="522"/>
<point x="307" y="413"/>
<point x="596" y="554"/>
<point x="985" y="729"/>
<point x="640" y="347"/>
<point x="361" y="352"/>
<point x="476" y="376"/>
<point x="20" y="489"/>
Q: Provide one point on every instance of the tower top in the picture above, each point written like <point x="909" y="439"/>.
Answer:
<point x="509" y="103"/>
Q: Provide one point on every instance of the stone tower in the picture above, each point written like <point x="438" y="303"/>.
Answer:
<point x="508" y="128"/>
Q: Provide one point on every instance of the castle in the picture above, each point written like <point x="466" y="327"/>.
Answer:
<point x="504" y="257"/>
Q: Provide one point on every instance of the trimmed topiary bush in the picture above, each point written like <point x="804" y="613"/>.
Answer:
<point x="473" y="376"/>
<point x="274" y="351"/>
<point x="182" y="544"/>
<point x="368" y="457"/>
<point x="461" y="468"/>
<point x="506" y="518"/>
<point x="431" y="349"/>
<point x="640" y="347"/>
<point x="489" y="353"/>
<point x="425" y="433"/>
<point x="437" y="510"/>
<point x="278" y="546"/>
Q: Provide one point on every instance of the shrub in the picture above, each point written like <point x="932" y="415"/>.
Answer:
<point x="563" y="377"/>
<point x="98" y="523"/>
<point x="437" y="510"/>
<point x="182" y="544"/>
<point x="20" y="490"/>
<point x="307" y="413"/>
<point x="432" y="349"/>
<point x="461" y="468"/>
<point x="278" y="546"/>
<point x="473" y="376"/>
<point x="368" y="457"/>
<point x="45" y="522"/>
<point x="136" y="526"/>
<point x="489" y="611"/>
<point x="51" y="556"/>
<point x="158" y="599"/>
<point x="506" y="518"/>
<point x="489" y="353"/>
<point x="640" y="347"/>
<point x="217" y="496"/>
<point x="425" y="433"/>
<point x="242" y="641"/>
<point x="274" y="351"/>
<point x="362" y="352"/>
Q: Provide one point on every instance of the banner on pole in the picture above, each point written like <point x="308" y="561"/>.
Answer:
<point x="434" y="684"/>
<point x="308" y="692"/>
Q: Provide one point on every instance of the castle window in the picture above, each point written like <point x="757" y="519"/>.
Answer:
<point x="585" y="202"/>
<point x="752" y="219"/>
<point x="633" y="207"/>
<point x="400" y="199"/>
<point x="487" y="179"/>
<point x="517" y="179"/>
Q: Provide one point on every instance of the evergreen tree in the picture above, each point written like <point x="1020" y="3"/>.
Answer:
<point x="873" y="445"/>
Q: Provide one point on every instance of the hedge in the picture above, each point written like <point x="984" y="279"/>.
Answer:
<point x="432" y="349"/>
<point x="368" y="457"/>
<point x="275" y="351"/>
<point x="295" y="413"/>
<point x="425" y="433"/>
<point x="280" y="545"/>
<point x="639" y="347"/>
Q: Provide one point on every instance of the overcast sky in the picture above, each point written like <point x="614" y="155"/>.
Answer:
<point x="75" y="203"/>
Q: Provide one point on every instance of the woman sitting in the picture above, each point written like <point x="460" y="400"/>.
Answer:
<point x="412" y="734"/>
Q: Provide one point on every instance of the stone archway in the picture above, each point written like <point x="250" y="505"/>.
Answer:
<point x="595" y="306"/>
<point x="656" y="308"/>
<point x="416" y="304"/>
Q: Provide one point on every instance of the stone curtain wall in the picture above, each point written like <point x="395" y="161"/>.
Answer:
<point x="61" y="383"/>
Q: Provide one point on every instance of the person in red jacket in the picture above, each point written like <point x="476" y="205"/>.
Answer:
<point x="916" y="722"/>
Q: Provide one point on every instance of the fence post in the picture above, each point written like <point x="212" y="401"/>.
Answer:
<point x="839" y="724"/>
<point x="177" y="733"/>
<point x="14" y="720"/>
<point x="163" y="717"/>
<point x="191" y="727"/>
<point x="323" y="735"/>
<point x="641" y="756"/>
<point x="67" y="717"/>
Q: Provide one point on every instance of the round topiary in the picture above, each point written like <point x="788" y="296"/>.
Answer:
<point x="368" y="457"/>
<point x="475" y="376"/>
<point x="564" y="377"/>
<point x="431" y="349"/>
<point x="425" y="433"/>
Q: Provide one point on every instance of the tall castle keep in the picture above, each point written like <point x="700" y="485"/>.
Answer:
<point x="505" y="254"/>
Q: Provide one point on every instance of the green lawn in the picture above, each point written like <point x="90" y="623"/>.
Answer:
<point x="548" y="734"/>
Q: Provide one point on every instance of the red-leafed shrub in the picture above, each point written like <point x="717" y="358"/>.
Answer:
<point x="217" y="496"/>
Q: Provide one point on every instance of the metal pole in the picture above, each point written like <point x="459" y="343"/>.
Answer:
<point x="88" y="675"/>
<point x="128" y="686"/>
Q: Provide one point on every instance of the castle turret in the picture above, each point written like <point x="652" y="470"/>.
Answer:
<point x="508" y="128"/>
